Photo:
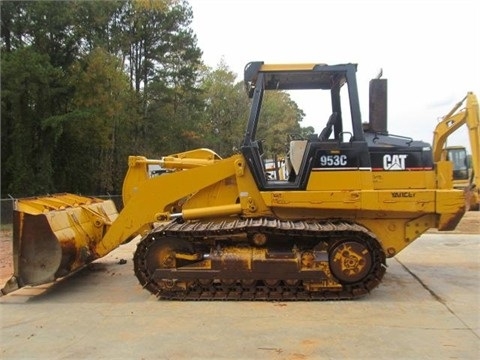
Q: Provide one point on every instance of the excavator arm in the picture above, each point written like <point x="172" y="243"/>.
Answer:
<point x="457" y="117"/>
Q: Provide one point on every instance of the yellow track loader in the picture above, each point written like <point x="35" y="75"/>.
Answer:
<point x="352" y="196"/>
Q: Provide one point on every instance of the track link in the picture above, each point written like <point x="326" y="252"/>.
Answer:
<point x="258" y="289"/>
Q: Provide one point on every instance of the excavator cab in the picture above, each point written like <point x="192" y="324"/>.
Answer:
<point x="461" y="166"/>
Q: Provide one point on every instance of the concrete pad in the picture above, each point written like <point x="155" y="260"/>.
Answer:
<point x="426" y="308"/>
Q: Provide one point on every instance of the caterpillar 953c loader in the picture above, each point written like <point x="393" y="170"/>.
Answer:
<point x="214" y="228"/>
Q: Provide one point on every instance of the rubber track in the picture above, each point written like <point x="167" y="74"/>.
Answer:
<point x="200" y="230"/>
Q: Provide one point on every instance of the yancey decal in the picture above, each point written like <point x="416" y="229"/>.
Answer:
<point x="403" y="194"/>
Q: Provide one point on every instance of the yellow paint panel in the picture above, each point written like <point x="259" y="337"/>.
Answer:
<point x="389" y="201"/>
<point x="449" y="201"/>
<point x="313" y="200"/>
<point x="403" y="179"/>
<point x="416" y="201"/>
<point x="339" y="180"/>
<point x="288" y="67"/>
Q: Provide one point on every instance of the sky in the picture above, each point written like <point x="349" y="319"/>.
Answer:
<point x="428" y="50"/>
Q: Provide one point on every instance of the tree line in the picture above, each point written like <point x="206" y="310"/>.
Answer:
<point x="85" y="84"/>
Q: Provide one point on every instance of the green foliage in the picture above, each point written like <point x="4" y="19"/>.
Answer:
<point x="85" y="84"/>
<point x="280" y="119"/>
<point x="30" y="86"/>
<point x="225" y="112"/>
<point x="97" y="25"/>
<point x="163" y="62"/>
<point x="90" y="131"/>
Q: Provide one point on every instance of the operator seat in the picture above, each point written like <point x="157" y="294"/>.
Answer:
<point x="327" y="131"/>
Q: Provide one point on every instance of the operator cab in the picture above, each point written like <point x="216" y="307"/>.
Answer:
<point x="333" y="147"/>
<point x="458" y="156"/>
<point x="344" y="143"/>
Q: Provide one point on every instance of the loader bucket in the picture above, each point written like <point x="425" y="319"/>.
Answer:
<point x="56" y="235"/>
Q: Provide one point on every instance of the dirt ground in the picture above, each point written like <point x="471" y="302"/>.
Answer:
<point x="6" y="263"/>
<point x="470" y="224"/>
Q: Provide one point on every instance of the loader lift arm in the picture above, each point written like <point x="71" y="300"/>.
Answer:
<point x="59" y="234"/>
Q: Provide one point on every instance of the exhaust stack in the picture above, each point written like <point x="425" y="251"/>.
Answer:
<point x="378" y="106"/>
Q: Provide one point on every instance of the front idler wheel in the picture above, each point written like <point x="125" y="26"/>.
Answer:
<point x="160" y="254"/>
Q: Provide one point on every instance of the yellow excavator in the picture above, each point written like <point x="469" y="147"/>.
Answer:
<point x="463" y="174"/>
<point x="222" y="229"/>
<point x="466" y="170"/>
